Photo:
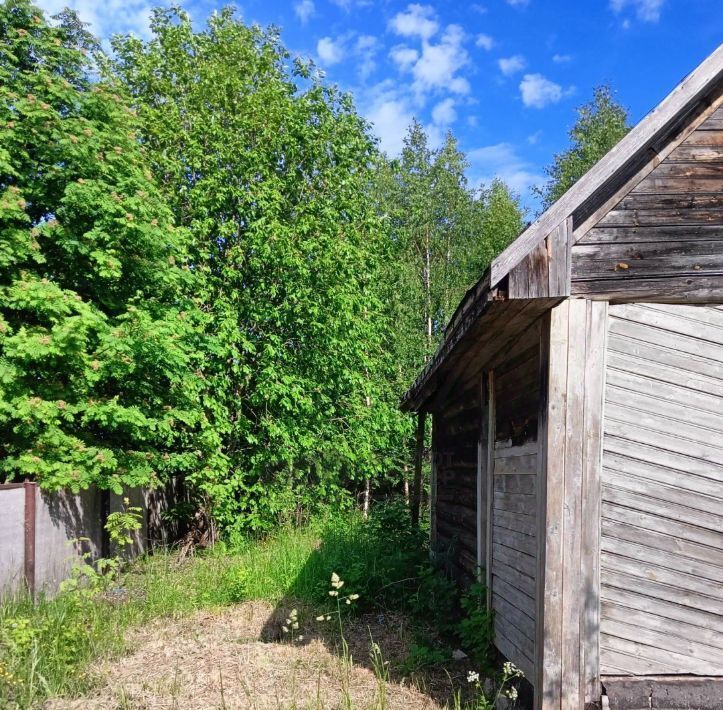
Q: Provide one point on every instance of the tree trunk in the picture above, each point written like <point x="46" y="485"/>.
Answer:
<point x="418" y="456"/>
<point x="367" y="496"/>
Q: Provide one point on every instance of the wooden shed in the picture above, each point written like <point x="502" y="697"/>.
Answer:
<point x="577" y="418"/>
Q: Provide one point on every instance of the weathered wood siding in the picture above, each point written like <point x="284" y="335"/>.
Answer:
<point x="570" y="461"/>
<point x="664" y="239"/>
<point x="662" y="492"/>
<point x="457" y="427"/>
<point x="513" y="570"/>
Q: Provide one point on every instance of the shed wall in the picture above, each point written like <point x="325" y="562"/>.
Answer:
<point x="662" y="492"/>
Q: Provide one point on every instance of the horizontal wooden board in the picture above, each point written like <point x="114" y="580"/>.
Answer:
<point x="665" y="534"/>
<point x="656" y="485"/>
<point x="523" y="563"/>
<point x="712" y="137"/>
<point x="634" y="601"/>
<point x="522" y="582"/>
<point x="698" y="658"/>
<point x="526" y="524"/>
<point x="639" y="235"/>
<point x="641" y="459"/>
<point x="514" y="540"/>
<point x="645" y="361"/>
<point x="672" y="288"/>
<point x="516" y="464"/>
<point x="710" y="576"/>
<point x="514" y="483"/>
<point x="514" y="502"/>
<point x="525" y="603"/>
<point x="704" y="153"/>
<point x="658" y="590"/>
<point x="508" y="649"/>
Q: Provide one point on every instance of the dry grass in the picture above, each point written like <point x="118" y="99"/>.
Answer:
<point x="239" y="658"/>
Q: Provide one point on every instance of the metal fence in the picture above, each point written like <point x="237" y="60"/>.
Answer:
<point x="42" y="534"/>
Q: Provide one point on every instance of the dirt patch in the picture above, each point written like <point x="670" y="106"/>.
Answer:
<point x="241" y="658"/>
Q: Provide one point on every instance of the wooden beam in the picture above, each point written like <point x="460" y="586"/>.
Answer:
<point x="418" y="458"/>
<point x="490" y="480"/>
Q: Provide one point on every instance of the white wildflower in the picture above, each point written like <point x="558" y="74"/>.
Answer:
<point x="512" y="693"/>
<point x="348" y="601"/>
<point x="333" y="593"/>
<point x="321" y="617"/>
<point x="300" y="637"/>
<point x="472" y="677"/>
<point x="295" y="625"/>
<point x="285" y="629"/>
<point x="353" y="597"/>
<point x="328" y="617"/>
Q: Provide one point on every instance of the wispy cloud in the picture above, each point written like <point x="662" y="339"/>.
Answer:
<point x="537" y="91"/>
<point x="645" y="10"/>
<point x="484" y="41"/>
<point x="444" y="113"/>
<point x="561" y="58"/>
<point x="518" y="3"/>
<point x="107" y="17"/>
<point x="304" y="10"/>
<point x="330" y="51"/>
<point x="503" y="161"/>
<point x="511" y="65"/>
<point x="416" y="21"/>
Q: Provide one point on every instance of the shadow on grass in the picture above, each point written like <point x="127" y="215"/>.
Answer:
<point x="398" y="626"/>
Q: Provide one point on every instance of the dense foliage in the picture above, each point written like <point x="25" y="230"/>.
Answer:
<point x="98" y="378"/>
<point x="209" y="270"/>
<point x="443" y="234"/>
<point x="269" y="170"/>
<point x="600" y="124"/>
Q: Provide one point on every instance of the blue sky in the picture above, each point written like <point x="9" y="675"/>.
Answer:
<point x="504" y="75"/>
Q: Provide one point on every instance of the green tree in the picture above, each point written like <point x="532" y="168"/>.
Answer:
<point x="600" y="124"/>
<point x="270" y="170"/>
<point x="97" y="374"/>
<point x="443" y="233"/>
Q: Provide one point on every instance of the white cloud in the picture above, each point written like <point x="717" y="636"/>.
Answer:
<point x="538" y="92"/>
<point x="366" y="49"/>
<point x="390" y="115"/>
<point x="416" y="21"/>
<point x="511" y="65"/>
<point x="518" y="3"/>
<point x="404" y="57"/>
<point x="561" y="58"/>
<point x="534" y="138"/>
<point x="304" y="9"/>
<point x="330" y="51"/>
<point x="443" y="114"/>
<point x="485" y="42"/>
<point x="108" y="17"/>
<point x="645" y="10"/>
<point x="502" y="161"/>
<point x="438" y="64"/>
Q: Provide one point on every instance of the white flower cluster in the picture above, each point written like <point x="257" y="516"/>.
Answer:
<point x="292" y="622"/>
<point x="511" y="670"/>
<point x="472" y="677"/>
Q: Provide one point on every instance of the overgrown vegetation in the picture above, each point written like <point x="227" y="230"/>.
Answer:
<point x="209" y="271"/>
<point x="46" y="649"/>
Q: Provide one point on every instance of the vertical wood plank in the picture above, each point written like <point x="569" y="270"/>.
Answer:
<point x="518" y="285"/>
<point x="541" y="501"/>
<point x="490" y="479"/>
<point x="539" y="280"/>
<point x="549" y="691"/>
<point x="559" y="245"/>
<point x="572" y="506"/>
<point x="482" y="474"/>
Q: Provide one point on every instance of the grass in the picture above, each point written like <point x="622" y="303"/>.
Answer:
<point x="46" y="648"/>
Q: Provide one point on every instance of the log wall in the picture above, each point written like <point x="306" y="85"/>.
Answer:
<point x="662" y="492"/>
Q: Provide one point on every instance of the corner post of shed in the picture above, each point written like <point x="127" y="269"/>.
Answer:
<point x="30" y="489"/>
<point x="569" y="520"/>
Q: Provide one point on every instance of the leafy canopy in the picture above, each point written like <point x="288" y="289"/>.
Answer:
<point x="97" y="381"/>
<point x="600" y="124"/>
<point x="269" y="169"/>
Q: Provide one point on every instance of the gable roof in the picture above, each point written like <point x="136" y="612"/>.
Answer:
<point x="641" y="146"/>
